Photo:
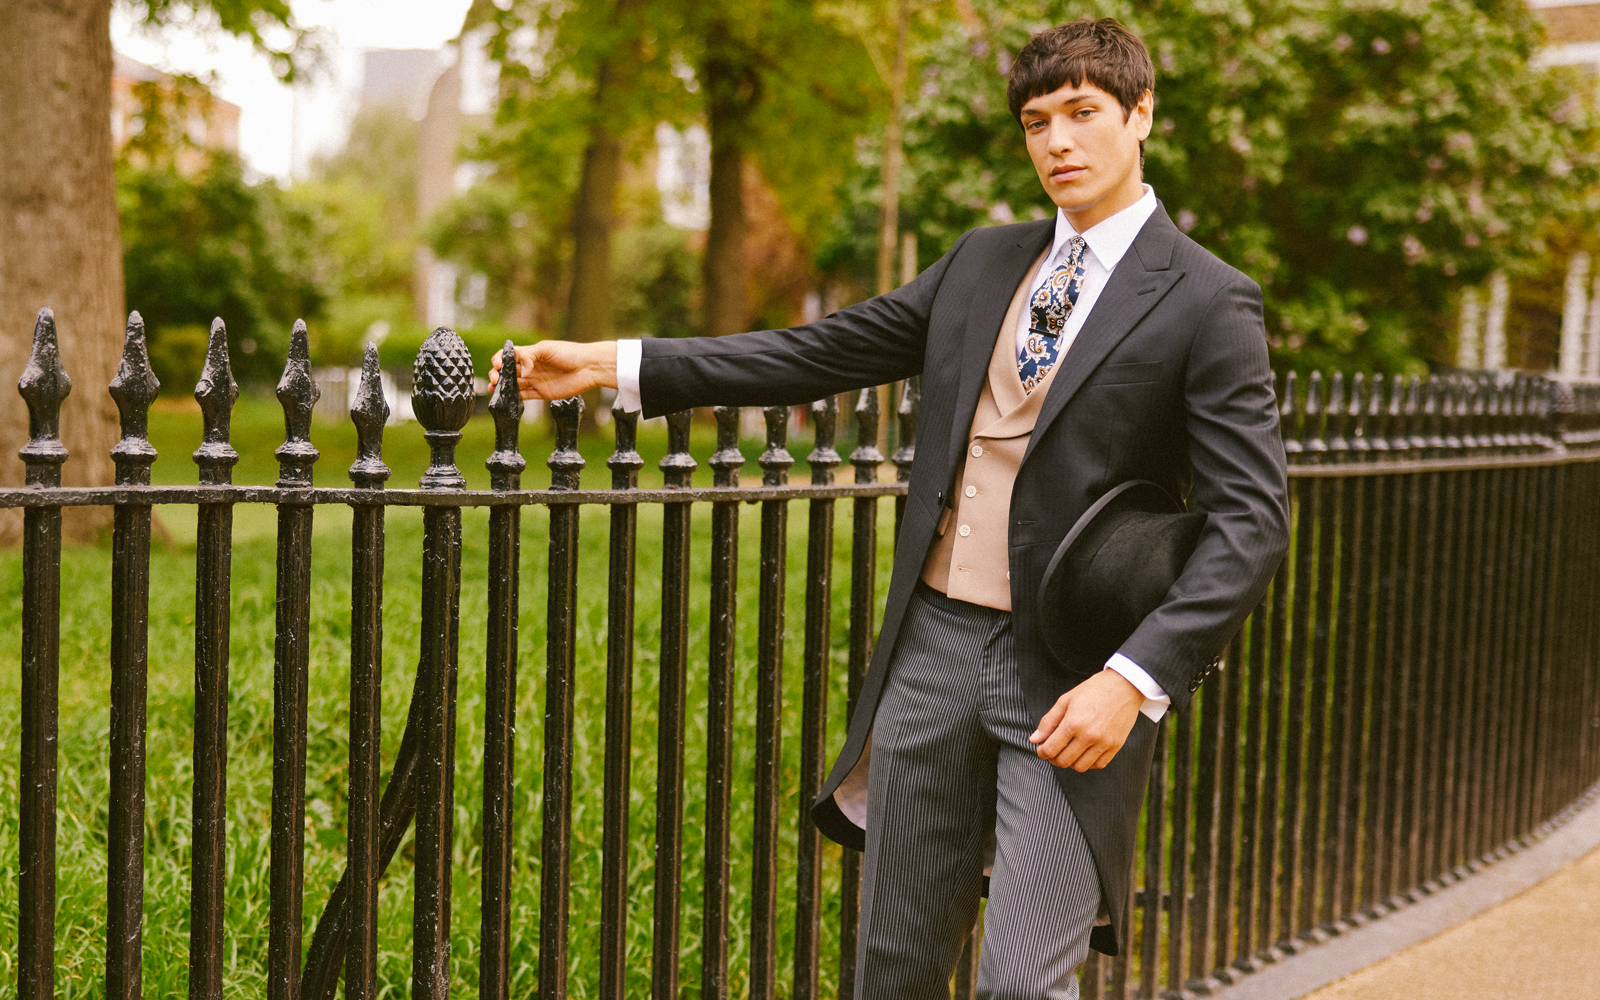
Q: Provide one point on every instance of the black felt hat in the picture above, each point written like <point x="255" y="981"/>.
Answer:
<point x="1114" y="567"/>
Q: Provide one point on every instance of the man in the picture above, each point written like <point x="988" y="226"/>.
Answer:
<point x="1059" y="358"/>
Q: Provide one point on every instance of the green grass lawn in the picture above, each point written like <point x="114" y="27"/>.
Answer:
<point x="85" y="641"/>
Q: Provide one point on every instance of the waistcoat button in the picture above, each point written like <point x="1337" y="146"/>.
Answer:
<point x="972" y="491"/>
<point x="966" y="529"/>
<point x="977" y="451"/>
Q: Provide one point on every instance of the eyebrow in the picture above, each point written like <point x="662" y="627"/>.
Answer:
<point x="1027" y="110"/>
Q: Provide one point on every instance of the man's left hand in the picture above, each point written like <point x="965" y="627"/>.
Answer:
<point x="1086" y="727"/>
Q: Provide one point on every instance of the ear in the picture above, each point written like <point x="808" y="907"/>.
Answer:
<point x="1144" y="115"/>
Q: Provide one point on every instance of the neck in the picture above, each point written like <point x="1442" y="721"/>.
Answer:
<point x="1125" y="195"/>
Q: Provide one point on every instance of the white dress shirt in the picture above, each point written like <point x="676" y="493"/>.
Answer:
<point x="1107" y="242"/>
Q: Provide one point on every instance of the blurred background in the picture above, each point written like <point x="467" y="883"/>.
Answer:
<point x="1414" y="183"/>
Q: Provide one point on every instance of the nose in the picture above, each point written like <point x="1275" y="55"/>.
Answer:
<point x="1060" y="137"/>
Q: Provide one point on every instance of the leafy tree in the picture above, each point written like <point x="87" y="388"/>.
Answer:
<point x="211" y="244"/>
<point x="59" y="241"/>
<point x="1362" y="161"/>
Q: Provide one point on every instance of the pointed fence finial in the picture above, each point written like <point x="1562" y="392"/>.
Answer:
<point x="298" y="395"/>
<point x="1288" y="418"/>
<point x="369" y="411"/>
<point x="1314" y="424"/>
<point x="1559" y="404"/>
<point x="1356" y="417"/>
<point x="1377" y="417"/>
<point x="133" y="389"/>
<point x="1334" y="420"/>
<point x="824" y="457"/>
<point x="44" y="386"/>
<point x="1416" y="440"/>
<point x="566" y="462"/>
<point x="1433" y="414"/>
<point x="442" y="398"/>
<point x="505" y="405"/>
<point x="727" y="460"/>
<point x="625" y="462"/>
<point x="1399" y="441"/>
<point x="678" y="465"/>
<point x="905" y="454"/>
<point x="866" y="457"/>
<point x="216" y="392"/>
<point x="775" y="460"/>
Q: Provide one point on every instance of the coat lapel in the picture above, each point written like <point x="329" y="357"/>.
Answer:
<point x="1140" y="280"/>
<point x="991" y="298"/>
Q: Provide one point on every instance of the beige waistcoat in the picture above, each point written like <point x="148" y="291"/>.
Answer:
<point x="969" y="560"/>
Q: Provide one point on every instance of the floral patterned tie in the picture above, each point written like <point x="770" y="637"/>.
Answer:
<point x="1051" y="306"/>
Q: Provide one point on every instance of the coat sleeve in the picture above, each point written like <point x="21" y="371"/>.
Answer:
<point x="1240" y="483"/>
<point x="874" y="342"/>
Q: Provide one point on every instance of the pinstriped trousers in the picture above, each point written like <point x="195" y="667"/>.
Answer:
<point x="950" y="763"/>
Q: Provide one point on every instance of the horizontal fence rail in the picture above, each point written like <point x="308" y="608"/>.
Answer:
<point x="1417" y="695"/>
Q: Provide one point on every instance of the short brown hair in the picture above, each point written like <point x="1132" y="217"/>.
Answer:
<point x="1102" y="52"/>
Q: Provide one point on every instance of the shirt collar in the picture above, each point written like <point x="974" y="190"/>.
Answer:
<point x="1108" y="239"/>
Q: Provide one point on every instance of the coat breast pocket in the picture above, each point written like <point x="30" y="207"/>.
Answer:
<point x="1128" y="373"/>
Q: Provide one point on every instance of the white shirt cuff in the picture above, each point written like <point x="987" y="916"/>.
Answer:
<point x="630" y="355"/>
<point x="1156" y="701"/>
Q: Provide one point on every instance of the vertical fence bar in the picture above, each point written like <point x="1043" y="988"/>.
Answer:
<point x="505" y="466"/>
<point x="725" y="463"/>
<point x="1346" y="686"/>
<point x="363" y="845"/>
<point x="1150" y="896"/>
<point x="774" y="462"/>
<point x="905" y="452"/>
<point x="442" y="399"/>
<point x="863" y="596"/>
<point x="216" y="392"/>
<point x="297" y="393"/>
<point x="814" y="707"/>
<point x="1181" y="848"/>
<point x="625" y="464"/>
<point x="134" y="389"/>
<point x="44" y="385"/>
<point x="561" y="609"/>
<point x="678" y="469"/>
<point x="1208" y="799"/>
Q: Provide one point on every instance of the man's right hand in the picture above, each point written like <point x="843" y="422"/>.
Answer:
<point x="559" y="369"/>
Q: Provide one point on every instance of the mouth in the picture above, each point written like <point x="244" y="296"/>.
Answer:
<point x="1067" y="173"/>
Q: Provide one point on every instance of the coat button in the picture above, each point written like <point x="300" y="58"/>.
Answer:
<point x="966" y="529"/>
<point x="977" y="451"/>
<point x="972" y="491"/>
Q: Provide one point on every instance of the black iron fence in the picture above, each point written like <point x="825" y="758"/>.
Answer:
<point x="1418" y="694"/>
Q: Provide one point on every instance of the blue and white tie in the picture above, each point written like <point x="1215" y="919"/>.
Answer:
<point x="1051" y="306"/>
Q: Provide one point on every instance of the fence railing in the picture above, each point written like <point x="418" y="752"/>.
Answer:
<point x="1418" y="693"/>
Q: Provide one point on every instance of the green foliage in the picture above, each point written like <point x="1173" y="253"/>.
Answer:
<point x="360" y="208"/>
<point x="210" y="244"/>
<point x="1361" y="161"/>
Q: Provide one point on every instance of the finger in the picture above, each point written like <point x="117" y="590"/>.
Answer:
<point x="1100" y="760"/>
<point x="1072" y="752"/>
<point x="1055" y="740"/>
<point x="1050" y="721"/>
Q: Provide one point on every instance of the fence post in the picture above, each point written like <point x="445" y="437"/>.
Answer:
<point x="363" y="846"/>
<point x="133" y="389"/>
<point x="555" y="866"/>
<point x="725" y="462"/>
<point x="500" y="687"/>
<point x="297" y="392"/>
<point x="44" y="385"/>
<point x="216" y="392"/>
<point x="625" y="464"/>
<point x="814" y="708"/>
<point x="443" y="401"/>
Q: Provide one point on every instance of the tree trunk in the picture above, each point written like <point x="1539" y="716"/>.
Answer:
<point x="732" y="92"/>
<point x="590" y="300"/>
<point x="889" y="228"/>
<point x="60" y="241"/>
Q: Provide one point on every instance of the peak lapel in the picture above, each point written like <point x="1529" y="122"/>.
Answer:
<point x="1140" y="280"/>
<point x="991" y="298"/>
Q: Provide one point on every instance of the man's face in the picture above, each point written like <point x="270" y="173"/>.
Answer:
<point x="1086" y="151"/>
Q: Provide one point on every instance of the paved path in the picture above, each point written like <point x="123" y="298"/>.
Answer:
<point x="1543" y="942"/>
